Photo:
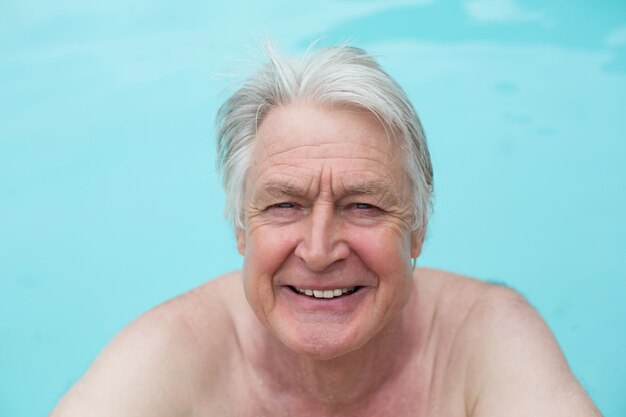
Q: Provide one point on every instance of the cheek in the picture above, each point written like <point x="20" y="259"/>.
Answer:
<point x="386" y="250"/>
<point x="267" y="249"/>
<point x="265" y="253"/>
<point x="387" y="254"/>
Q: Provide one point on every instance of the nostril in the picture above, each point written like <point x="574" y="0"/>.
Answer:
<point x="317" y="256"/>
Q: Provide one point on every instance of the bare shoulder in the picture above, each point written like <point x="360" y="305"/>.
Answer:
<point x="154" y="366"/>
<point x="514" y="365"/>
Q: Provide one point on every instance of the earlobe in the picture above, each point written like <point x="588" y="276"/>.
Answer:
<point x="417" y="240"/>
<point x="240" y="234"/>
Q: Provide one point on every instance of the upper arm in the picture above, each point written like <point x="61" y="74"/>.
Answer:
<point x="517" y="367"/>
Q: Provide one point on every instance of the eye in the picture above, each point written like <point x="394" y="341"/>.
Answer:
<point x="363" y="206"/>
<point x="285" y="205"/>
<point x="362" y="212"/>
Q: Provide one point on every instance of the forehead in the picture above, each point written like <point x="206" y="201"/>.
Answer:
<point x="311" y="131"/>
<point x="308" y="124"/>
<point x="310" y="145"/>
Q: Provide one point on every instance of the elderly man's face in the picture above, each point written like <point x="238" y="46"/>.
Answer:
<point x="327" y="243"/>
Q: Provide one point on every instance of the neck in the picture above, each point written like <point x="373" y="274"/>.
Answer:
<point x="337" y="384"/>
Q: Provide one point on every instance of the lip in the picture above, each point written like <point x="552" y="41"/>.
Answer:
<point x="323" y="288"/>
<point x="343" y="304"/>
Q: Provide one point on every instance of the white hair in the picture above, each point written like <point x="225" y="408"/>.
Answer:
<point x="341" y="75"/>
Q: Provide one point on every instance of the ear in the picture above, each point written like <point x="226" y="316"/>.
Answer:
<point x="417" y="239"/>
<point x="240" y="234"/>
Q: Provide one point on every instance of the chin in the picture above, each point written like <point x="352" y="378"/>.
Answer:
<point x="320" y="351"/>
<point x="322" y="344"/>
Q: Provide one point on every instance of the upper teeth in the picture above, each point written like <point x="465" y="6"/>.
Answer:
<point x="326" y="293"/>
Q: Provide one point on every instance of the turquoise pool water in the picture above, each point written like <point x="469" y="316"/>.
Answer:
<point x="109" y="203"/>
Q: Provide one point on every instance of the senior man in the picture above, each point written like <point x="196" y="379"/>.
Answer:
<point x="328" y="181"/>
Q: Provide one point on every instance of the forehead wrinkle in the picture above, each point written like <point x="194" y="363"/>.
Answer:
<point x="302" y="163"/>
<point x="285" y="147"/>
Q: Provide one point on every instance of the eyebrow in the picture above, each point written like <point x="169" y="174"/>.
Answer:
<point x="379" y="188"/>
<point x="387" y="194"/>
<point x="367" y="187"/>
<point x="281" y="188"/>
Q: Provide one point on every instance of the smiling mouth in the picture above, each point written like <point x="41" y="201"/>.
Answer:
<point x="325" y="294"/>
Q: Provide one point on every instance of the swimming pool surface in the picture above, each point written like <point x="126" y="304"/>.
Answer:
<point x="109" y="202"/>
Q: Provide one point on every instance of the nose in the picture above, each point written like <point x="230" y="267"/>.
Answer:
<point x="322" y="244"/>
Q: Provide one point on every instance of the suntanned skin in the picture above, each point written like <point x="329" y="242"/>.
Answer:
<point x="327" y="207"/>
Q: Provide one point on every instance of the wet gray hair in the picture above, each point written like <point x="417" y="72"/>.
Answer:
<point x="341" y="75"/>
